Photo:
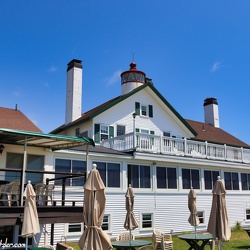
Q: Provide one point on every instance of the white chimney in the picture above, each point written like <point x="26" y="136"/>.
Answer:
<point x="73" y="91"/>
<point x="211" y="112"/>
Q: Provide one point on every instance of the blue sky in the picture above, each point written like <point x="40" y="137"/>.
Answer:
<point x="191" y="49"/>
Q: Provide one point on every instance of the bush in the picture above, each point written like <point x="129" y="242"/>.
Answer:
<point x="237" y="227"/>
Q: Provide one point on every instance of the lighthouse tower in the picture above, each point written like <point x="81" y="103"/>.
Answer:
<point x="132" y="79"/>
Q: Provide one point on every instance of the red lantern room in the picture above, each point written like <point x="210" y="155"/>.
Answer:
<point x="132" y="79"/>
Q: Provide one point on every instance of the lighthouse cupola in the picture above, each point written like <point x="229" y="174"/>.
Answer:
<point x="132" y="79"/>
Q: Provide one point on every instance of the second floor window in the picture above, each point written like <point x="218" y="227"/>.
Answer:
<point x="110" y="173"/>
<point x="34" y="162"/>
<point x="245" y="181"/>
<point x="210" y="178"/>
<point x="231" y="181"/>
<point x="166" y="177"/>
<point x="70" y="166"/>
<point x="139" y="176"/>
<point x="190" y="178"/>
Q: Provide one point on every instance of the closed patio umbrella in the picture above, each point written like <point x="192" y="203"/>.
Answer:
<point x="93" y="237"/>
<point x="30" y="225"/>
<point x="130" y="221"/>
<point x="193" y="218"/>
<point x="218" y="224"/>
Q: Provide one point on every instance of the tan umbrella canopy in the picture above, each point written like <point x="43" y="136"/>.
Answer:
<point x="30" y="217"/>
<point x="93" y="237"/>
<point x="193" y="218"/>
<point x="130" y="221"/>
<point x="218" y="224"/>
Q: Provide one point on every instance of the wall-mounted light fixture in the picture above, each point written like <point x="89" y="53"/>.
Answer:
<point x="1" y="148"/>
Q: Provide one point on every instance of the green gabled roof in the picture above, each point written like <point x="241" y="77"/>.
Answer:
<point x="107" y="105"/>
<point x="38" y="139"/>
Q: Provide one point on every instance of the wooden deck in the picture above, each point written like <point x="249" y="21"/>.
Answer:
<point x="10" y="216"/>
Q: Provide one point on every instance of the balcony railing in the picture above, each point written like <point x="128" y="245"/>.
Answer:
<point x="177" y="146"/>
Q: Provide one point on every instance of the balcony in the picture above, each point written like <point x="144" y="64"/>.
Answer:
<point x="177" y="146"/>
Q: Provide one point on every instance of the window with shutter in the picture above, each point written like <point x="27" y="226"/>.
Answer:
<point x="97" y="133"/>
<point x="137" y="108"/>
<point x="143" y="110"/>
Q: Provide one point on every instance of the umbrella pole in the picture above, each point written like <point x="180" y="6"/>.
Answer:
<point x="26" y="243"/>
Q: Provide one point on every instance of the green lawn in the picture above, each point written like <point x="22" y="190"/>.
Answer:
<point x="239" y="240"/>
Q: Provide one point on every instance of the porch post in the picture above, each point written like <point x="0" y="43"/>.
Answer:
<point x="134" y="132"/>
<point x="23" y="171"/>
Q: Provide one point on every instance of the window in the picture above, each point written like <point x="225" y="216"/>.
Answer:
<point x="190" y="178"/>
<point x="201" y="216"/>
<point x="77" y="132"/>
<point x="120" y="130"/>
<point x="248" y="214"/>
<point x="147" y="220"/>
<point x="70" y="166"/>
<point x="166" y="177"/>
<point x="245" y="181"/>
<point x="84" y="134"/>
<point x="166" y="134"/>
<point x="139" y="176"/>
<point x="104" y="132"/>
<point x="74" y="228"/>
<point x="231" y="181"/>
<point x="34" y="162"/>
<point x="210" y="178"/>
<point x="144" y="110"/>
<point x="110" y="173"/>
<point x="145" y="131"/>
<point x="132" y="76"/>
<point x="106" y="223"/>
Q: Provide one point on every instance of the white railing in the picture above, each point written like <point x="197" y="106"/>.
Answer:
<point x="177" y="146"/>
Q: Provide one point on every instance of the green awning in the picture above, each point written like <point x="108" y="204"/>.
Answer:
<point x="37" y="139"/>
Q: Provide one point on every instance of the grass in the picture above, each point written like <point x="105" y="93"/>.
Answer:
<point x="239" y="240"/>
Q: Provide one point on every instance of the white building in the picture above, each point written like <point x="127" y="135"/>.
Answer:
<point x="143" y="141"/>
<point x="161" y="154"/>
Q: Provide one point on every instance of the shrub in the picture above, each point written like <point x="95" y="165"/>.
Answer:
<point x="237" y="227"/>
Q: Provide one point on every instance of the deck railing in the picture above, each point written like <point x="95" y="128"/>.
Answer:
<point x="177" y="146"/>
